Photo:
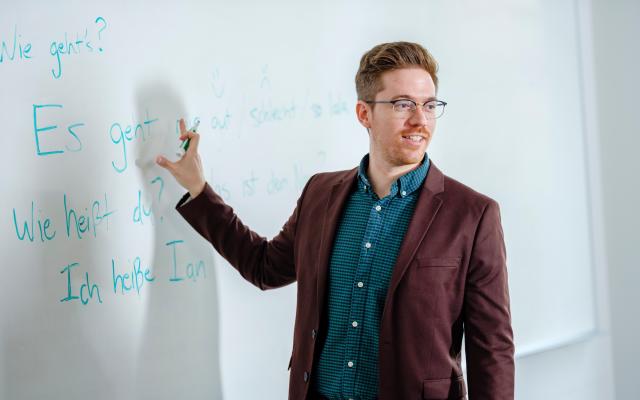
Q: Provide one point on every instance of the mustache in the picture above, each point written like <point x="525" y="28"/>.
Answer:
<point x="421" y="132"/>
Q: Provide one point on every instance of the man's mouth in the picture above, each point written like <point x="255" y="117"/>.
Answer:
<point x="414" y="138"/>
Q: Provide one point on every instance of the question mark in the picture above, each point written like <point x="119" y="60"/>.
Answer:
<point x="101" y="29"/>
<point x="156" y="179"/>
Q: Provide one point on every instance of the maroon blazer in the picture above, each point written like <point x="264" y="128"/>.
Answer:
<point x="450" y="277"/>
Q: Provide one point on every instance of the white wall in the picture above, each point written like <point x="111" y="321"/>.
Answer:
<point x="617" y="64"/>
<point x="581" y="369"/>
<point x="604" y="366"/>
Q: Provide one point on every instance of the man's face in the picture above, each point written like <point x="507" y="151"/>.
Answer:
<point x="399" y="141"/>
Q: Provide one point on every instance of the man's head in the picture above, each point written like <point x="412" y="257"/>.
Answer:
<point x="388" y="57"/>
<point x="388" y="72"/>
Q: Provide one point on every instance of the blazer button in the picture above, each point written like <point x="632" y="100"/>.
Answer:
<point x="306" y="376"/>
<point x="313" y="333"/>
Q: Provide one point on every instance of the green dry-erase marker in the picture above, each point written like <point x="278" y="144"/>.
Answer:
<point x="182" y="149"/>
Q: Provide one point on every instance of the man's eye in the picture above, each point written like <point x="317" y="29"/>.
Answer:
<point x="404" y="105"/>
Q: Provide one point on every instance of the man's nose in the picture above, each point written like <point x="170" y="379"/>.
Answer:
<point x="419" y="117"/>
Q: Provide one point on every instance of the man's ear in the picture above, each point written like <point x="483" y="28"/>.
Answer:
<point x="363" y="112"/>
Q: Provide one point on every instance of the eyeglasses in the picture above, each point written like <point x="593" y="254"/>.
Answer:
<point x="405" y="108"/>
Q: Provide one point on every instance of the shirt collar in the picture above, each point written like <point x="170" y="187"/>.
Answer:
<point x="403" y="186"/>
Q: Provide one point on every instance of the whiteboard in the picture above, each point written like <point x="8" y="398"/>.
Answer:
<point x="108" y="292"/>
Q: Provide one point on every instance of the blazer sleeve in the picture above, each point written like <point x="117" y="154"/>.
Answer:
<point x="487" y="321"/>
<point x="265" y="263"/>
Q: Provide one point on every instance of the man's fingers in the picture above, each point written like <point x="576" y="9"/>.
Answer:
<point x="166" y="164"/>
<point x="192" y="136"/>
<point x="193" y="144"/>
<point x="187" y="135"/>
<point x="183" y="127"/>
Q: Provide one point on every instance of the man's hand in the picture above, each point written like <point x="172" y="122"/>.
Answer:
<point x="187" y="170"/>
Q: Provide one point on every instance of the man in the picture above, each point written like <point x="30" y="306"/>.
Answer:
<point x="393" y="259"/>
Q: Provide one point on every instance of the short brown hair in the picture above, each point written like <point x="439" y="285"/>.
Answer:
<point x="387" y="57"/>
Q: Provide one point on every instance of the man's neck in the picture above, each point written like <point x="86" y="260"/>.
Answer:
<point x="382" y="174"/>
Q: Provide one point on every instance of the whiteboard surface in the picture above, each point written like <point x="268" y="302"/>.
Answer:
<point x="272" y="84"/>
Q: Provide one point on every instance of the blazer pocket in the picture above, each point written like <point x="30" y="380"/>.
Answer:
<point x="430" y="276"/>
<point x="438" y="262"/>
<point x="444" y="389"/>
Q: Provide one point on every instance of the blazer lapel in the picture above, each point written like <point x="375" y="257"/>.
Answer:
<point x="333" y="210"/>
<point x="427" y="207"/>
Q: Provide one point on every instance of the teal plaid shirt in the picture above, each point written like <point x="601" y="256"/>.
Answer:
<point x="366" y="246"/>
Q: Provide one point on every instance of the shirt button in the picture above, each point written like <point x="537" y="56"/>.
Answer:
<point x="378" y="208"/>
<point x="367" y="245"/>
<point x="360" y="284"/>
<point x="306" y="376"/>
<point x="350" y="364"/>
<point x="354" y="323"/>
<point x="403" y="193"/>
<point x="313" y="333"/>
